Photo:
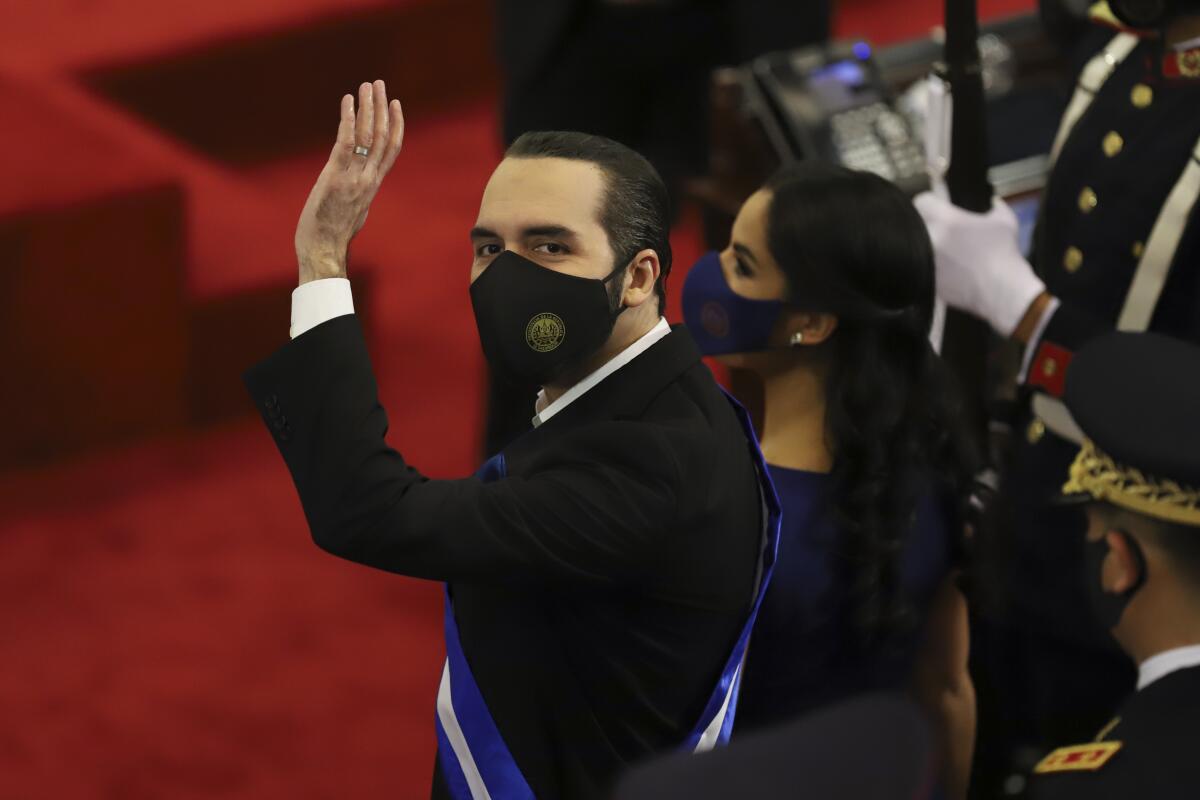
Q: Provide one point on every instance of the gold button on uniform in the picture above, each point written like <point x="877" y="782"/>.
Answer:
<point x="1138" y="249"/>
<point x="1073" y="259"/>
<point x="1049" y="367"/>
<point x="1036" y="430"/>
<point x="1141" y="96"/>
<point x="1113" y="144"/>
<point x="1088" y="199"/>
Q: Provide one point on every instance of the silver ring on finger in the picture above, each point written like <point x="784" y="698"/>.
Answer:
<point x="359" y="150"/>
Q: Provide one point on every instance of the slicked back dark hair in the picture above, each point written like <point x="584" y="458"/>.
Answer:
<point x="635" y="211"/>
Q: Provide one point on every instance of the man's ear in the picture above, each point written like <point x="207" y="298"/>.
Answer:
<point x="812" y="327"/>
<point x="641" y="277"/>
<point x="1122" y="567"/>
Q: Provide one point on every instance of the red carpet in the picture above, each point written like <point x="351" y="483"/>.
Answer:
<point x="168" y="629"/>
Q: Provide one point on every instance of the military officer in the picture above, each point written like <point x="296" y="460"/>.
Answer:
<point x="1117" y="246"/>
<point x="1137" y="475"/>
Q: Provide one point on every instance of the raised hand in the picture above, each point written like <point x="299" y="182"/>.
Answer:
<point x="366" y="148"/>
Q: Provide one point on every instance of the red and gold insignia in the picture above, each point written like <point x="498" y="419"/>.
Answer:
<point x="1078" y="758"/>
<point x="1184" y="64"/>
<point x="1049" y="369"/>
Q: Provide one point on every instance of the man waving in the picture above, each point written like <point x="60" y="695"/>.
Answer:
<point x="602" y="572"/>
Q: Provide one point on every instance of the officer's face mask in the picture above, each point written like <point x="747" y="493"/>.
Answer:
<point x="536" y="324"/>
<point x="1106" y="606"/>
<point x="720" y="320"/>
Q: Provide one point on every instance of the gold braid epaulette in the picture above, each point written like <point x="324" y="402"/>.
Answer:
<point x="1095" y="473"/>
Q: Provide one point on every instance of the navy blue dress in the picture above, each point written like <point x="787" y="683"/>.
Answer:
<point x="803" y="652"/>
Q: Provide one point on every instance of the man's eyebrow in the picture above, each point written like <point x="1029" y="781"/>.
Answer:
<point x="547" y="230"/>
<point x="480" y="232"/>
<point x="745" y="253"/>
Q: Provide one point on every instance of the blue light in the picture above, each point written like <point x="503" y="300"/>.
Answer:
<point x="862" y="50"/>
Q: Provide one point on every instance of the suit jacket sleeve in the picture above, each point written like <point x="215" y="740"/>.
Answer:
<point x="598" y="502"/>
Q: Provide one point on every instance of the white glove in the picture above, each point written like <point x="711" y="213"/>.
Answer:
<point x="980" y="268"/>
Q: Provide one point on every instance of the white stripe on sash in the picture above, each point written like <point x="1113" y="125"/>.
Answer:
<point x="709" y="739"/>
<point x="458" y="742"/>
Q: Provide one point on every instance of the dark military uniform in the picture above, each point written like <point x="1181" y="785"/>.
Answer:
<point x="1116" y="169"/>
<point x="1150" y="750"/>
<point x="1140" y="453"/>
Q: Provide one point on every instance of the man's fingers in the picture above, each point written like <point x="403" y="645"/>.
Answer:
<point x="380" y="130"/>
<point x="364" y="128"/>
<point x="395" y="140"/>
<point x="343" y="148"/>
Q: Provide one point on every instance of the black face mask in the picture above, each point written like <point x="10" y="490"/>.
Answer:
<point x="536" y="324"/>
<point x="1106" y="606"/>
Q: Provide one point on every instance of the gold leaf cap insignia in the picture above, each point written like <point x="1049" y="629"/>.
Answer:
<point x="1095" y="473"/>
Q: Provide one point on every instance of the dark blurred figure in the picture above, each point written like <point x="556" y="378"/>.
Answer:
<point x="1138" y="477"/>
<point x="876" y="747"/>
<point x="636" y="71"/>
<point x="1065" y="21"/>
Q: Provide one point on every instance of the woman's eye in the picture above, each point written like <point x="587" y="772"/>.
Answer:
<point x="741" y="268"/>
<point x="551" y="248"/>
<point x="488" y="250"/>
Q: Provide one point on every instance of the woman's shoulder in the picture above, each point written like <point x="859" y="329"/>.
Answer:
<point x="935" y="543"/>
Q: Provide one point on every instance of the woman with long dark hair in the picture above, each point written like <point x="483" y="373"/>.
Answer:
<point x="826" y="294"/>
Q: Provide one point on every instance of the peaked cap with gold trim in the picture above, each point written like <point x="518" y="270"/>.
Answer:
<point x="1136" y="396"/>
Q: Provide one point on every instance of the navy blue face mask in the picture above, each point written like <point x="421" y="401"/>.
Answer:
<point x="720" y="320"/>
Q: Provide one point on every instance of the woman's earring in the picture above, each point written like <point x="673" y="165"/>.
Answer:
<point x="797" y="338"/>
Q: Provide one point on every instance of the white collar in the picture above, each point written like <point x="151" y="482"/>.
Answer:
<point x="1166" y="662"/>
<point x="612" y="365"/>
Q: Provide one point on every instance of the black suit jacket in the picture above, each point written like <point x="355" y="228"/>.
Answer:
<point x="1159" y="731"/>
<point x="598" y="589"/>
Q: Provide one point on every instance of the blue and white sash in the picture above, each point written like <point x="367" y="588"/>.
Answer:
<point x="474" y="760"/>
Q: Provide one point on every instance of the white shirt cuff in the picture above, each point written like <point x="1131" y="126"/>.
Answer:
<point x="1035" y="340"/>
<point x="320" y="301"/>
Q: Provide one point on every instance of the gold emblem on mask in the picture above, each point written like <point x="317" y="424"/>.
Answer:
<point x="545" y="332"/>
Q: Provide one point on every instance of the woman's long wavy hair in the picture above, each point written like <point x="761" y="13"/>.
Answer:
<point x="851" y="243"/>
